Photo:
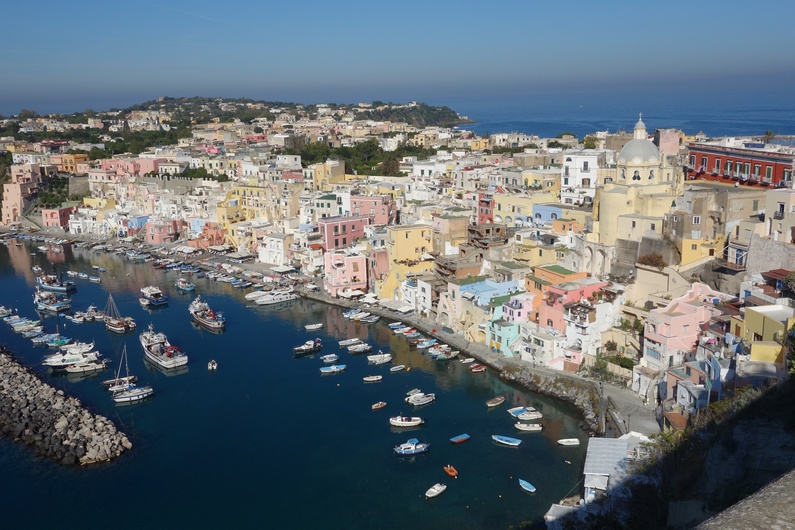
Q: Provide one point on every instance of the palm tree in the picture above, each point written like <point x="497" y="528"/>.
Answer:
<point x="768" y="136"/>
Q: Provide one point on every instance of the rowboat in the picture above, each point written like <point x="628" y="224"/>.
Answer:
<point x="528" y="427"/>
<point x="450" y="470"/>
<point x="372" y="378"/>
<point x="527" y="486"/>
<point x="506" y="440"/>
<point x="312" y="327"/>
<point x="495" y="401"/>
<point x="349" y="342"/>
<point x="333" y="369"/>
<point x="468" y="360"/>
<point x="461" y="438"/>
<point x="406" y="421"/>
<point x="398" y="368"/>
<point x="435" y="490"/>
<point x="330" y="358"/>
<point x="569" y="441"/>
<point x="477" y="368"/>
<point x="379" y="405"/>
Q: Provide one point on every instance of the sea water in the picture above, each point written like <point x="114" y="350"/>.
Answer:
<point x="266" y="441"/>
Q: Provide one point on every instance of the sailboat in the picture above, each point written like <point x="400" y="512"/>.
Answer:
<point x="113" y="319"/>
<point x="35" y="268"/>
<point x="128" y="392"/>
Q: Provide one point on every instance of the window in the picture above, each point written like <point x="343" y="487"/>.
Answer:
<point x="768" y="173"/>
<point x="696" y="219"/>
<point x="653" y="226"/>
<point x="703" y="161"/>
<point x="728" y="167"/>
<point x="693" y="247"/>
<point x="755" y="205"/>
<point x="695" y="234"/>
<point x="685" y="328"/>
<point x="787" y="175"/>
<point x="757" y="169"/>
<point x="717" y="165"/>
<point x="676" y="218"/>
<point x="566" y="181"/>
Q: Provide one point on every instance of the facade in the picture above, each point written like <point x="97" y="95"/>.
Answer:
<point x="345" y="271"/>
<point x="340" y="232"/>
<point x="745" y="162"/>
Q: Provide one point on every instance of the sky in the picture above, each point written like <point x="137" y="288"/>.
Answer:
<point x="64" y="57"/>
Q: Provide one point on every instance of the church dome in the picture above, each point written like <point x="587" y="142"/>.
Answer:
<point x="639" y="150"/>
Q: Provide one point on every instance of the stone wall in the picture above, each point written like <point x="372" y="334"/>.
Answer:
<point x="79" y="186"/>
<point x="766" y="254"/>
<point x="55" y="425"/>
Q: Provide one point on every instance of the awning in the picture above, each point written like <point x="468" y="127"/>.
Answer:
<point x="350" y="294"/>
<point x="282" y="269"/>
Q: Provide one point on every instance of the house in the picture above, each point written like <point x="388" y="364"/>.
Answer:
<point x="339" y="231"/>
<point x="345" y="272"/>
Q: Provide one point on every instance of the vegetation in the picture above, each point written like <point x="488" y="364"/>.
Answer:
<point x="365" y="158"/>
<point x="653" y="259"/>
<point x="623" y="362"/>
<point x="567" y="133"/>
<point x="419" y="115"/>
<point x="201" y="173"/>
<point x="590" y="142"/>
<point x="55" y="193"/>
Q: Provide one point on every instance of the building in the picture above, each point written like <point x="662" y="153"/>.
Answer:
<point x="742" y="161"/>
<point x="339" y="232"/>
<point x="345" y="272"/>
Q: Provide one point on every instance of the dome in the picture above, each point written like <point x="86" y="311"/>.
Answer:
<point x="639" y="152"/>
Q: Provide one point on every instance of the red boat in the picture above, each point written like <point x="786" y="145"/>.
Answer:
<point x="477" y="368"/>
<point x="450" y="470"/>
<point x="379" y="405"/>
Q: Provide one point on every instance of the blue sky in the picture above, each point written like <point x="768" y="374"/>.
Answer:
<point x="58" y="56"/>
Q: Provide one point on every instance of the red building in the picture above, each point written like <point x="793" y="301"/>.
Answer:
<point x="485" y="208"/>
<point x="57" y="217"/>
<point x="339" y="231"/>
<point x="750" y="164"/>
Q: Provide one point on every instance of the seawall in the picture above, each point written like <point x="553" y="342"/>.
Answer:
<point x="55" y="425"/>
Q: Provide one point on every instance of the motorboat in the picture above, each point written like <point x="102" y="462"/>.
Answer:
<point x="184" y="285"/>
<point x="86" y="367"/>
<point x="427" y="343"/>
<point x="467" y="360"/>
<point x="152" y="296"/>
<point x="114" y="321"/>
<point x="398" y="368"/>
<point x="506" y="440"/>
<point x="378" y="405"/>
<point x="59" y="361"/>
<point x="160" y="351"/>
<point x="495" y="401"/>
<point x="406" y="421"/>
<point x="379" y="358"/>
<point x="310" y="346"/>
<point x="50" y="282"/>
<point x="109" y="383"/>
<point x="451" y="471"/>
<point x="569" y="441"/>
<point x="396" y="325"/>
<point x="530" y="415"/>
<point x="212" y="365"/>
<point x="435" y="490"/>
<point x="48" y="301"/>
<point x="276" y="297"/>
<point x="527" y="486"/>
<point x="461" y="438"/>
<point x="420" y="399"/>
<point x="360" y="348"/>
<point x="477" y="368"/>
<point x="204" y="316"/>
<point x="413" y="391"/>
<point x="333" y="369"/>
<point x="528" y="427"/>
<point x="78" y="347"/>
<point x="313" y="327"/>
<point x="330" y="358"/>
<point x="372" y="378"/>
<point x="412" y="446"/>
<point x="95" y="279"/>
<point x="82" y="275"/>
<point x="349" y="342"/>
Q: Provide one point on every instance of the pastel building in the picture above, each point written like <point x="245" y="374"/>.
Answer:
<point x="381" y="209"/>
<point x="164" y="231"/>
<point x="339" y="232"/>
<point x="57" y="217"/>
<point x="344" y="272"/>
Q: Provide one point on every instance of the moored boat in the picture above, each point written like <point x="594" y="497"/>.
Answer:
<point x="477" y="368"/>
<point x="204" y="316"/>
<point x="349" y="342"/>
<point x="527" y="486"/>
<point x="333" y="369"/>
<point x="378" y="405"/>
<point x="330" y="358"/>
<point x="212" y="365"/>
<point x="569" y="441"/>
<point x="435" y="490"/>
<point x="184" y="285"/>
<point x="467" y="360"/>
<point x="506" y="440"/>
<point x="313" y="327"/>
<point x="152" y="296"/>
<point x="450" y="470"/>
<point x="528" y="427"/>
<point x="420" y="399"/>
<point x="372" y="378"/>
<point x="412" y="446"/>
<point x="308" y="347"/>
<point x="379" y="358"/>
<point x="160" y="351"/>
<point x="495" y="401"/>
<point x="398" y="368"/>
<point x="50" y="282"/>
<point x="360" y="348"/>
<point x="406" y="421"/>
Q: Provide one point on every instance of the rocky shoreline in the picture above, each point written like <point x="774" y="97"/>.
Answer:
<point x="55" y="425"/>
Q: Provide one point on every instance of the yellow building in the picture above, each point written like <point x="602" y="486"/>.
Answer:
<point x="479" y="144"/>
<point x="100" y="203"/>
<point x="507" y="207"/>
<point x="763" y="323"/>
<point x="409" y="249"/>
<point x="328" y="173"/>
<point x="767" y="351"/>
<point x="533" y="252"/>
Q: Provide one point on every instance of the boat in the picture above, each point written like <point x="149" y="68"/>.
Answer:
<point x="372" y="378"/>
<point x="108" y="383"/>
<point x="360" y="348"/>
<point x="95" y="279"/>
<point x="128" y="391"/>
<point x="506" y="440"/>
<point x="467" y="360"/>
<point x="396" y="325"/>
<point x="313" y="327"/>
<point x="528" y="427"/>
<point x="427" y="343"/>
<point x="406" y="421"/>
<point x="204" y="316"/>
<point x="420" y="399"/>
<point x="276" y="297"/>
<point x="59" y="361"/>
<point x="50" y="282"/>
<point x="379" y="358"/>
<point x="71" y="273"/>
<point x="82" y="275"/>
<point x="530" y="415"/>
<point x="569" y="441"/>
<point x="308" y="347"/>
<point x="212" y="365"/>
<point x="372" y="319"/>
<point x="48" y="301"/>
<point x="495" y="401"/>
<point x="152" y="296"/>
<point x="333" y="369"/>
<point x="413" y="391"/>
<point x="450" y="470"/>
<point x="330" y="358"/>
<point x="477" y="368"/>
<point x="527" y="486"/>
<point x="253" y="295"/>
<point x="349" y="342"/>
<point x="379" y="405"/>
<point x="86" y="367"/>
<point x="78" y="347"/>
<point x="398" y="368"/>
<point x="160" y="351"/>
<point x="412" y="446"/>
<point x="461" y="438"/>
<point x="114" y="321"/>
<point x="184" y="285"/>
<point x="435" y="490"/>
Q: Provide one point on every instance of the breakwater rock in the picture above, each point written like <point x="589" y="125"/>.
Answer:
<point x="583" y="395"/>
<point x="57" y="426"/>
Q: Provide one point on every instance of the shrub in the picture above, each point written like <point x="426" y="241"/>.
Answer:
<point x="653" y="260"/>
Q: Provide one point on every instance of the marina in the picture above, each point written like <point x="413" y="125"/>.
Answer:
<point x="256" y="369"/>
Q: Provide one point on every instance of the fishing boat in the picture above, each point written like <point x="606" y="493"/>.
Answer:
<point x="378" y="405"/>
<point x="108" y="383"/>
<point x="349" y="342"/>
<point x="333" y="369"/>
<point x="412" y="446"/>
<point x="160" y="351"/>
<point x="360" y="348"/>
<point x="450" y="470"/>
<point x="528" y="427"/>
<point x="495" y="401"/>
<point x="420" y="399"/>
<point x="114" y="321"/>
<point x="313" y="327"/>
<point x="330" y="358"/>
<point x="48" y="301"/>
<point x="50" y="282"/>
<point x="308" y="347"/>
<point x="398" y="368"/>
<point x="477" y="368"/>
<point x="152" y="296"/>
<point x="128" y="391"/>
<point x="527" y="486"/>
<point x="204" y="316"/>
<point x="569" y="441"/>
<point x="184" y="285"/>
<point x="212" y="365"/>
<point x="379" y="358"/>
<point x="406" y="421"/>
<point x="435" y="490"/>
<point x="59" y="361"/>
<point x="87" y="367"/>
<point x="506" y="440"/>
<point x="372" y="378"/>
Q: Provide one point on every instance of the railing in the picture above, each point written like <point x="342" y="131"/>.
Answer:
<point x="779" y="215"/>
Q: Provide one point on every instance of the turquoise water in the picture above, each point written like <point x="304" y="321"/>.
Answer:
<point x="266" y="441"/>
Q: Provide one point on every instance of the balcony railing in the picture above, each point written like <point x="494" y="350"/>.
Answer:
<point x="779" y="215"/>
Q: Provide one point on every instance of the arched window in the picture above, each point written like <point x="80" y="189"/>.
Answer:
<point x="623" y="174"/>
<point x="636" y="175"/>
<point x="651" y="175"/>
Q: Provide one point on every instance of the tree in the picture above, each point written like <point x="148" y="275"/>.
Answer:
<point x="567" y="133"/>
<point x="653" y="259"/>
<point x="589" y="142"/>
<point x="258" y="130"/>
<point x="768" y="136"/>
<point x="26" y="114"/>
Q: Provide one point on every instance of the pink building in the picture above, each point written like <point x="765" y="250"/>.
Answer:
<point x="339" y="232"/>
<point x="377" y="266"/>
<point x="485" y="208"/>
<point x="519" y="308"/>
<point x="552" y="312"/>
<point x="57" y="217"/>
<point x="380" y="209"/>
<point x="25" y="180"/>
<point x="166" y="231"/>
<point x="344" y="272"/>
<point x="131" y="166"/>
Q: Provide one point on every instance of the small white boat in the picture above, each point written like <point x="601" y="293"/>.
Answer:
<point x="528" y="427"/>
<point x="333" y="369"/>
<point x="212" y="365"/>
<point x="330" y="358"/>
<point x="312" y="327"/>
<point x="527" y="486"/>
<point x="495" y="401"/>
<point x="569" y="441"/>
<point x="468" y="360"/>
<point x="420" y="399"/>
<point x="413" y="391"/>
<point x="406" y="421"/>
<point x="372" y="378"/>
<point x="506" y="440"/>
<point x="349" y="342"/>
<point x="529" y="415"/>
<point x="379" y="358"/>
<point x="398" y="368"/>
<point x="435" y="490"/>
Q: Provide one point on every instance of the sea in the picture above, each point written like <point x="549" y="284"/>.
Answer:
<point x="266" y="441"/>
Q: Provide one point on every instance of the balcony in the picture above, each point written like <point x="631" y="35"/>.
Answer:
<point x="779" y="215"/>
